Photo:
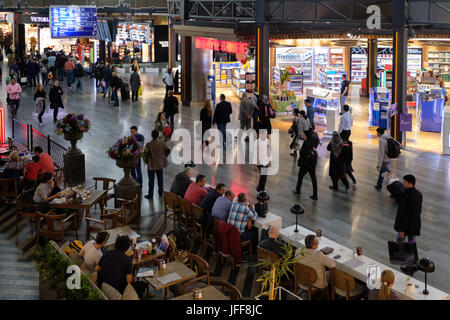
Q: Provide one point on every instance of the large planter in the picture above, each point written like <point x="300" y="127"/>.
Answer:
<point x="73" y="138"/>
<point x="47" y="293"/>
<point x="127" y="187"/>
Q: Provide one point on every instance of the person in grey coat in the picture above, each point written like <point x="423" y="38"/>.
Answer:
<point x="155" y="157"/>
<point x="135" y="83"/>
<point x="246" y="112"/>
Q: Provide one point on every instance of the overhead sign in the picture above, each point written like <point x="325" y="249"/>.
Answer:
<point x="219" y="45"/>
<point x="73" y="21"/>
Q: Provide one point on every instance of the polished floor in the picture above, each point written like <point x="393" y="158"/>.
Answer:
<point x="358" y="217"/>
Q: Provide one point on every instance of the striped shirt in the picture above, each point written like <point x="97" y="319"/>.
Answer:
<point x="239" y="215"/>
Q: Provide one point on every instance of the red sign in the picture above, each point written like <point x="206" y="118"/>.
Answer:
<point x="225" y="46"/>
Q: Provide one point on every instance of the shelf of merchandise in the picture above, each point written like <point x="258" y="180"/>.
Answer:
<point x="439" y="62"/>
<point x="383" y="60"/>
<point x="385" y="79"/>
<point x="337" y="59"/>
<point x="243" y="81"/>
<point x="331" y="79"/>
<point x="359" y="66"/>
<point x="223" y="72"/>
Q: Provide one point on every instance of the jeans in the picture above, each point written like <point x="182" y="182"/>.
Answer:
<point x="75" y="85"/>
<point x="171" y="120"/>
<point x="69" y="74"/>
<point x="222" y="128"/>
<point x="105" y="89"/>
<point x="385" y="167"/>
<point x="44" y="79"/>
<point x="262" y="179"/>
<point x="115" y="97"/>
<point x="312" y="173"/>
<point x="55" y="114"/>
<point x="410" y="238"/>
<point x="14" y="105"/>
<point x="41" y="114"/>
<point x="61" y="74"/>
<point x="151" y="182"/>
<point x="136" y="172"/>
<point x="343" y="99"/>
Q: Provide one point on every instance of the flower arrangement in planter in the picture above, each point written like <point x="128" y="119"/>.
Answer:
<point x="73" y="126"/>
<point x="127" y="149"/>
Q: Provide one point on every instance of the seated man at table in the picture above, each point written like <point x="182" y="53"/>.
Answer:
<point x="45" y="160"/>
<point x="222" y="206"/>
<point x="46" y="192"/>
<point x="116" y="268"/>
<point x="273" y="244"/>
<point x="241" y="215"/>
<point x="91" y="252"/>
<point x="181" y="182"/>
<point x="315" y="259"/>
<point x="196" y="191"/>
<point x="31" y="173"/>
<point x="208" y="201"/>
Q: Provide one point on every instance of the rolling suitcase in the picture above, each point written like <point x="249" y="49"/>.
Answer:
<point x="396" y="189"/>
<point x="125" y="92"/>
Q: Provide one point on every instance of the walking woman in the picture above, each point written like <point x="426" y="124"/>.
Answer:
<point x="337" y="163"/>
<point x="161" y="125"/>
<point x="265" y="113"/>
<point x="308" y="162"/>
<point x="348" y="158"/>
<point x="55" y="99"/>
<point x="39" y="101"/>
<point x="206" y="118"/>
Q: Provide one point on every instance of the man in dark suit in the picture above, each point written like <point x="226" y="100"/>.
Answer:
<point x="407" y="221"/>
<point x="273" y="244"/>
<point x="222" y="116"/>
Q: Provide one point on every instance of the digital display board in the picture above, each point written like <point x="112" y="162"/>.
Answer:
<point x="136" y="32"/>
<point x="103" y="31"/>
<point x="73" y="21"/>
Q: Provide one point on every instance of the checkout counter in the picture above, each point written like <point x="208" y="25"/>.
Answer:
<point x="430" y="108"/>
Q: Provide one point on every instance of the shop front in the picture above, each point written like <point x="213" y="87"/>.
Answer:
<point x="132" y="41"/>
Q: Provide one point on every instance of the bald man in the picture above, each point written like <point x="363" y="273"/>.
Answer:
<point x="273" y="244"/>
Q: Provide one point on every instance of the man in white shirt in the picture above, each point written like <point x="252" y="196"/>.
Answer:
<point x="168" y="80"/>
<point x="91" y="252"/>
<point x="345" y="124"/>
<point x="262" y="158"/>
<point x="315" y="259"/>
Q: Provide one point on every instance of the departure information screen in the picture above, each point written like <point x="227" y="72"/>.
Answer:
<point x="73" y="21"/>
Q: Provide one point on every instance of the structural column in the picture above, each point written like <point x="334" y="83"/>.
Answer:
<point x="372" y="48"/>
<point x="262" y="63"/>
<point x="172" y="44"/>
<point x="186" y="71"/>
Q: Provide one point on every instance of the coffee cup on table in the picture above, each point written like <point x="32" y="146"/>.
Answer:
<point x="318" y="233"/>
<point x="359" y="251"/>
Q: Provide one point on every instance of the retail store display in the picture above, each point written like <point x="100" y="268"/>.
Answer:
<point x="243" y="81"/>
<point x="300" y="58"/>
<point x="211" y="89"/>
<point x="358" y="60"/>
<point x="430" y="108"/>
<point x="331" y="78"/>
<point x="439" y="61"/>
<point x="337" y="57"/>
<point x="223" y="72"/>
<point x="379" y="102"/>
<point x="385" y="79"/>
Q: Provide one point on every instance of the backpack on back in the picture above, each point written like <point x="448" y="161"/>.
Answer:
<point x="393" y="148"/>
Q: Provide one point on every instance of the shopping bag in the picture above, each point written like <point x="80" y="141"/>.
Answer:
<point x="140" y="91"/>
<point x="402" y="253"/>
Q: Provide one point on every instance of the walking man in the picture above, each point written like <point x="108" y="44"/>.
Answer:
<point x="222" y="116"/>
<point x="170" y="108"/>
<point x="156" y="153"/>
<point x="168" y="80"/>
<point x="345" y="86"/>
<point x="78" y="73"/>
<point x="310" y="112"/>
<point x="262" y="157"/>
<point x="136" y="172"/>
<point x="246" y="112"/>
<point x="13" y="91"/>
<point x="345" y="124"/>
<point x="407" y="221"/>
<point x="68" y="68"/>
<point x="384" y="162"/>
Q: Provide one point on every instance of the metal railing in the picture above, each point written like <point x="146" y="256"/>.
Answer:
<point x="30" y="138"/>
<point x="281" y="296"/>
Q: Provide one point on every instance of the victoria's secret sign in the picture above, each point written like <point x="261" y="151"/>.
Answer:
<point x="218" y="45"/>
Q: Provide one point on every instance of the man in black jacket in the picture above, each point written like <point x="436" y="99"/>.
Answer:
<point x="170" y="107"/>
<point x="407" y="221"/>
<point x="181" y="182"/>
<point x="107" y="77"/>
<point x="273" y="244"/>
<point x="222" y="116"/>
<point x="116" y="84"/>
<point x="78" y="73"/>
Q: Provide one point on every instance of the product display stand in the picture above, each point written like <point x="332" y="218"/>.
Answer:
<point x="431" y="109"/>
<point x="379" y="101"/>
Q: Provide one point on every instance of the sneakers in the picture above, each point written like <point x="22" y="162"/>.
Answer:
<point x="354" y="185"/>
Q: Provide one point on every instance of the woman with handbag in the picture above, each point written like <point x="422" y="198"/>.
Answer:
<point x="162" y="125"/>
<point x="55" y="99"/>
<point x="170" y="107"/>
<point x="265" y="114"/>
<point x="337" y="162"/>
<point x="39" y="98"/>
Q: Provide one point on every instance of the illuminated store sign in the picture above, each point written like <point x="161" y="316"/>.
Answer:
<point x="218" y="45"/>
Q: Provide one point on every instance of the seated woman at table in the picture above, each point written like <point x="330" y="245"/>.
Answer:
<point x="384" y="293"/>
<point x="31" y="173"/>
<point x="14" y="169"/>
<point x="46" y="192"/>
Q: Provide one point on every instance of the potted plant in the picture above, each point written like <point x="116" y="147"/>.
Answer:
<point x="72" y="127"/>
<point x="271" y="279"/>
<point x="52" y="265"/>
<point x="126" y="152"/>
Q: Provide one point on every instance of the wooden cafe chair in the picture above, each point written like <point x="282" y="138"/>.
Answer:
<point x="9" y="188"/>
<point x="201" y="280"/>
<point x="54" y="226"/>
<point x="228" y="289"/>
<point x="171" y="207"/>
<point x="266" y="255"/>
<point x="344" y="285"/>
<point x="130" y="210"/>
<point x="109" y="220"/>
<point x="106" y="184"/>
<point x="25" y="209"/>
<point x="188" y="216"/>
<point x="305" y="277"/>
